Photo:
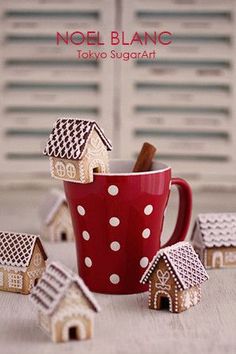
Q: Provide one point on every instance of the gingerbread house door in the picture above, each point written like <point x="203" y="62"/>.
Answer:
<point x="73" y="329"/>
<point x="96" y="166"/>
<point x="162" y="300"/>
<point x="61" y="232"/>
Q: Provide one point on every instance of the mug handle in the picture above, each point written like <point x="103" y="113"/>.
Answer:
<point x="184" y="213"/>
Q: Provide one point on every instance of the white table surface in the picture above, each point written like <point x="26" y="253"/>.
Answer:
<point x="125" y="325"/>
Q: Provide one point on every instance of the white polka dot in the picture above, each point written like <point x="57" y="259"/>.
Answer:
<point x="114" y="279"/>
<point x="85" y="235"/>
<point x="144" y="262"/>
<point x="113" y="190"/>
<point x="81" y="210"/>
<point x="148" y="209"/>
<point x="115" y="246"/>
<point x="146" y="233"/>
<point x="114" y="221"/>
<point x="88" y="262"/>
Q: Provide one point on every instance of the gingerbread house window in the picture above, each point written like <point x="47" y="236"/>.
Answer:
<point x="70" y="170"/>
<point x="15" y="281"/>
<point x="60" y="168"/>
<point x="37" y="259"/>
<point x="1" y="278"/>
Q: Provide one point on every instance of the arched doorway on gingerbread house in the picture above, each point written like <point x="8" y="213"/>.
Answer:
<point x="162" y="301"/>
<point x="72" y="333"/>
<point x="96" y="166"/>
<point x="73" y="330"/>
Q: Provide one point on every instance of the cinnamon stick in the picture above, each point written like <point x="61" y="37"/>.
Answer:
<point x="145" y="158"/>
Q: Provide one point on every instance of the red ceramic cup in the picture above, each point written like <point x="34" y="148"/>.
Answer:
<point x="118" y="221"/>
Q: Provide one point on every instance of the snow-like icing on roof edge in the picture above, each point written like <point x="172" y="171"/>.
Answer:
<point x="93" y="125"/>
<point x="217" y="229"/>
<point x="165" y="254"/>
<point x="37" y="296"/>
<point x="146" y="275"/>
<point x="77" y="279"/>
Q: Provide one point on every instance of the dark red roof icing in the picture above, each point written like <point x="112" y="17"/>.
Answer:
<point x="69" y="138"/>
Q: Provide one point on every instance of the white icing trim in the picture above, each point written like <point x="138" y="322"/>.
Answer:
<point x="217" y="229"/>
<point x="24" y="242"/>
<point x="53" y="286"/>
<point x="167" y="295"/>
<point x="81" y="132"/>
<point x="72" y="310"/>
<point x="13" y="268"/>
<point x="184" y="278"/>
<point x="86" y="143"/>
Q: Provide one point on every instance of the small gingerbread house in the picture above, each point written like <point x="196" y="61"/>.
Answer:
<point x="56" y="219"/>
<point x="77" y="148"/>
<point x="22" y="261"/>
<point x="175" y="275"/>
<point x="214" y="239"/>
<point x="65" y="305"/>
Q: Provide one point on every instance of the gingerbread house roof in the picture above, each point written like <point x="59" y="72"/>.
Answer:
<point x="215" y="229"/>
<point x="16" y="249"/>
<point x="54" y="199"/>
<point x="183" y="261"/>
<point x="52" y="287"/>
<point x="69" y="138"/>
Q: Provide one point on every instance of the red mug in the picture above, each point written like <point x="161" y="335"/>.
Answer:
<point x="118" y="221"/>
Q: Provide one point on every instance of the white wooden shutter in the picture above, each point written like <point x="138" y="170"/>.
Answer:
<point x="183" y="102"/>
<point x="41" y="81"/>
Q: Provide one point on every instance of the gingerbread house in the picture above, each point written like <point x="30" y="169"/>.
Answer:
<point x="22" y="261"/>
<point x="65" y="305"/>
<point x="55" y="218"/>
<point x="214" y="239"/>
<point x="77" y="148"/>
<point x="175" y="275"/>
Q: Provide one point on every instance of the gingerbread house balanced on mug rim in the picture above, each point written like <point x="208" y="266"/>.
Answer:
<point x="77" y="148"/>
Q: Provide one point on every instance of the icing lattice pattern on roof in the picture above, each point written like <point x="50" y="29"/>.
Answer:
<point x="185" y="263"/>
<point x="52" y="287"/>
<point x="16" y="249"/>
<point x="69" y="138"/>
<point x="218" y="229"/>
